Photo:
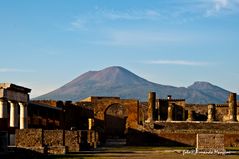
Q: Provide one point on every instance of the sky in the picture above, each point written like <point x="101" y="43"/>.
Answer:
<point x="47" y="43"/>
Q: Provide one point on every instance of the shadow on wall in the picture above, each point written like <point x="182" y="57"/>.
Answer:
<point x="138" y="138"/>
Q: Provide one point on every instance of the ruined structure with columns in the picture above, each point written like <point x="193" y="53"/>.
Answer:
<point x="166" y="122"/>
<point x="171" y="110"/>
<point x="13" y="97"/>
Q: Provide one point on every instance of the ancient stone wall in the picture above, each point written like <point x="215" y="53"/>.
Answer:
<point x="215" y="127"/>
<point x="210" y="142"/>
<point x="53" y="137"/>
<point x="231" y="140"/>
<point x="56" y="141"/>
<point x="131" y="105"/>
<point x="52" y="103"/>
<point x="144" y="138"/>
<point x="29" y="138"/>
<point x="73" y="140"/>
<point x="182" y="133"/>
<point x="201" y="111"/>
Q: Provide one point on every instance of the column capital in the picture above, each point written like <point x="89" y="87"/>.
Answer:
<point x="24" y="104"/>
<point x="12" y="101"/>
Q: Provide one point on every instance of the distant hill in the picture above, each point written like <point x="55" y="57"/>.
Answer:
<point x="117" y="81"/>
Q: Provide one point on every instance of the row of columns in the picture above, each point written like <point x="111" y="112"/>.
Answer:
<point x="14" y="118"/>
<point x="232" y="109"/>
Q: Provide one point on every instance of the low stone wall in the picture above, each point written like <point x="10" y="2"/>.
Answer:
<point x="182" y="133"/>
<point x="29" y="138"/>
<point x="53" y="137"/>
<point x="73" y="140"/>
<point x="214" y="127"/>
<point x="56" y="141"/>
<point x="167" y="139"/>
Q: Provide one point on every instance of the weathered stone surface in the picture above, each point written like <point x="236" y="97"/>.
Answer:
<point x="29" y="138"/>
<point x="231" y="140"/>
<point x="151" y="106"/>
<point x="210" y="142"/>
<point x="72" y="140"/>
<point x="53" y="137"/>
<point x="56" y="150"/>
<point x="232" y="107"/>
<point x="56" y="141"/>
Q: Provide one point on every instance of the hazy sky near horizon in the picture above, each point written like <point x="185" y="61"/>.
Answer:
<point x="45" y="44"/>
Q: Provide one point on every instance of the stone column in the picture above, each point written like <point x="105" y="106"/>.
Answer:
<point x="190" y="115"/>
<point x="3" y="109"/>
<point x="232" y="107"/>
<point x="23" y="116"/>
<point x="13" y="114"/>
<point x="170" y="112"/>
<point x="90" y="123"/>
<point x="3" y="115"/>
<point x="211" y="113"/>
<point x="151" y="106"/>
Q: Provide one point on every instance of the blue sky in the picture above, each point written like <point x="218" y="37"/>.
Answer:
<point x="45" y="44"/>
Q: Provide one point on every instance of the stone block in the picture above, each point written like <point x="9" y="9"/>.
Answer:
<point x="29" y="138"/>
<point x="210" y="142"/>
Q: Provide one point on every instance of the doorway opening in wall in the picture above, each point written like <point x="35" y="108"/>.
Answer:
<point x="116" y="124"/>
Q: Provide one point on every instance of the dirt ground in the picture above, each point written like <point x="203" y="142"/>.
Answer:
<point x="128" y="153"/>
<point x="139" y="153"/>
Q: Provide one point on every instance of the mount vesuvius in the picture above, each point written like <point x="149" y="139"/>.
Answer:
<point x="118" y="81"/>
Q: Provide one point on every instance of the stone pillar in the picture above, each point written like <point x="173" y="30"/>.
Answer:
<point x="3" y="115"/>
<point x="151" y="106"/>
<point x="232" y="107"/>
<point x="13" y="114"/>
<point x="3" y="109"/>
<point x="90" y="123"/>
<point x="211" y="113"/>
<point x="190" y="115"/>
<point x="170" y="112"/>
<point x="23" y="116"/>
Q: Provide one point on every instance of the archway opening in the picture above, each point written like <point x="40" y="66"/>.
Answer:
<point x="116" y="121"/>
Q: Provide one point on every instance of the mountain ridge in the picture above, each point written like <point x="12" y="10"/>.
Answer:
<point x="118" y="81"/>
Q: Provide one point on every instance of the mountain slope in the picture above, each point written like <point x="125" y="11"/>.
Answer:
<point x="117" y="81"/>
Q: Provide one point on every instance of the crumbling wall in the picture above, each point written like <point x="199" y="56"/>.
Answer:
<point x="56" y="141"/>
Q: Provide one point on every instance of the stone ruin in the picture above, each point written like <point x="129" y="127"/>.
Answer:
<point x="210" y="143"/>
<point x="159" y="122"/>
